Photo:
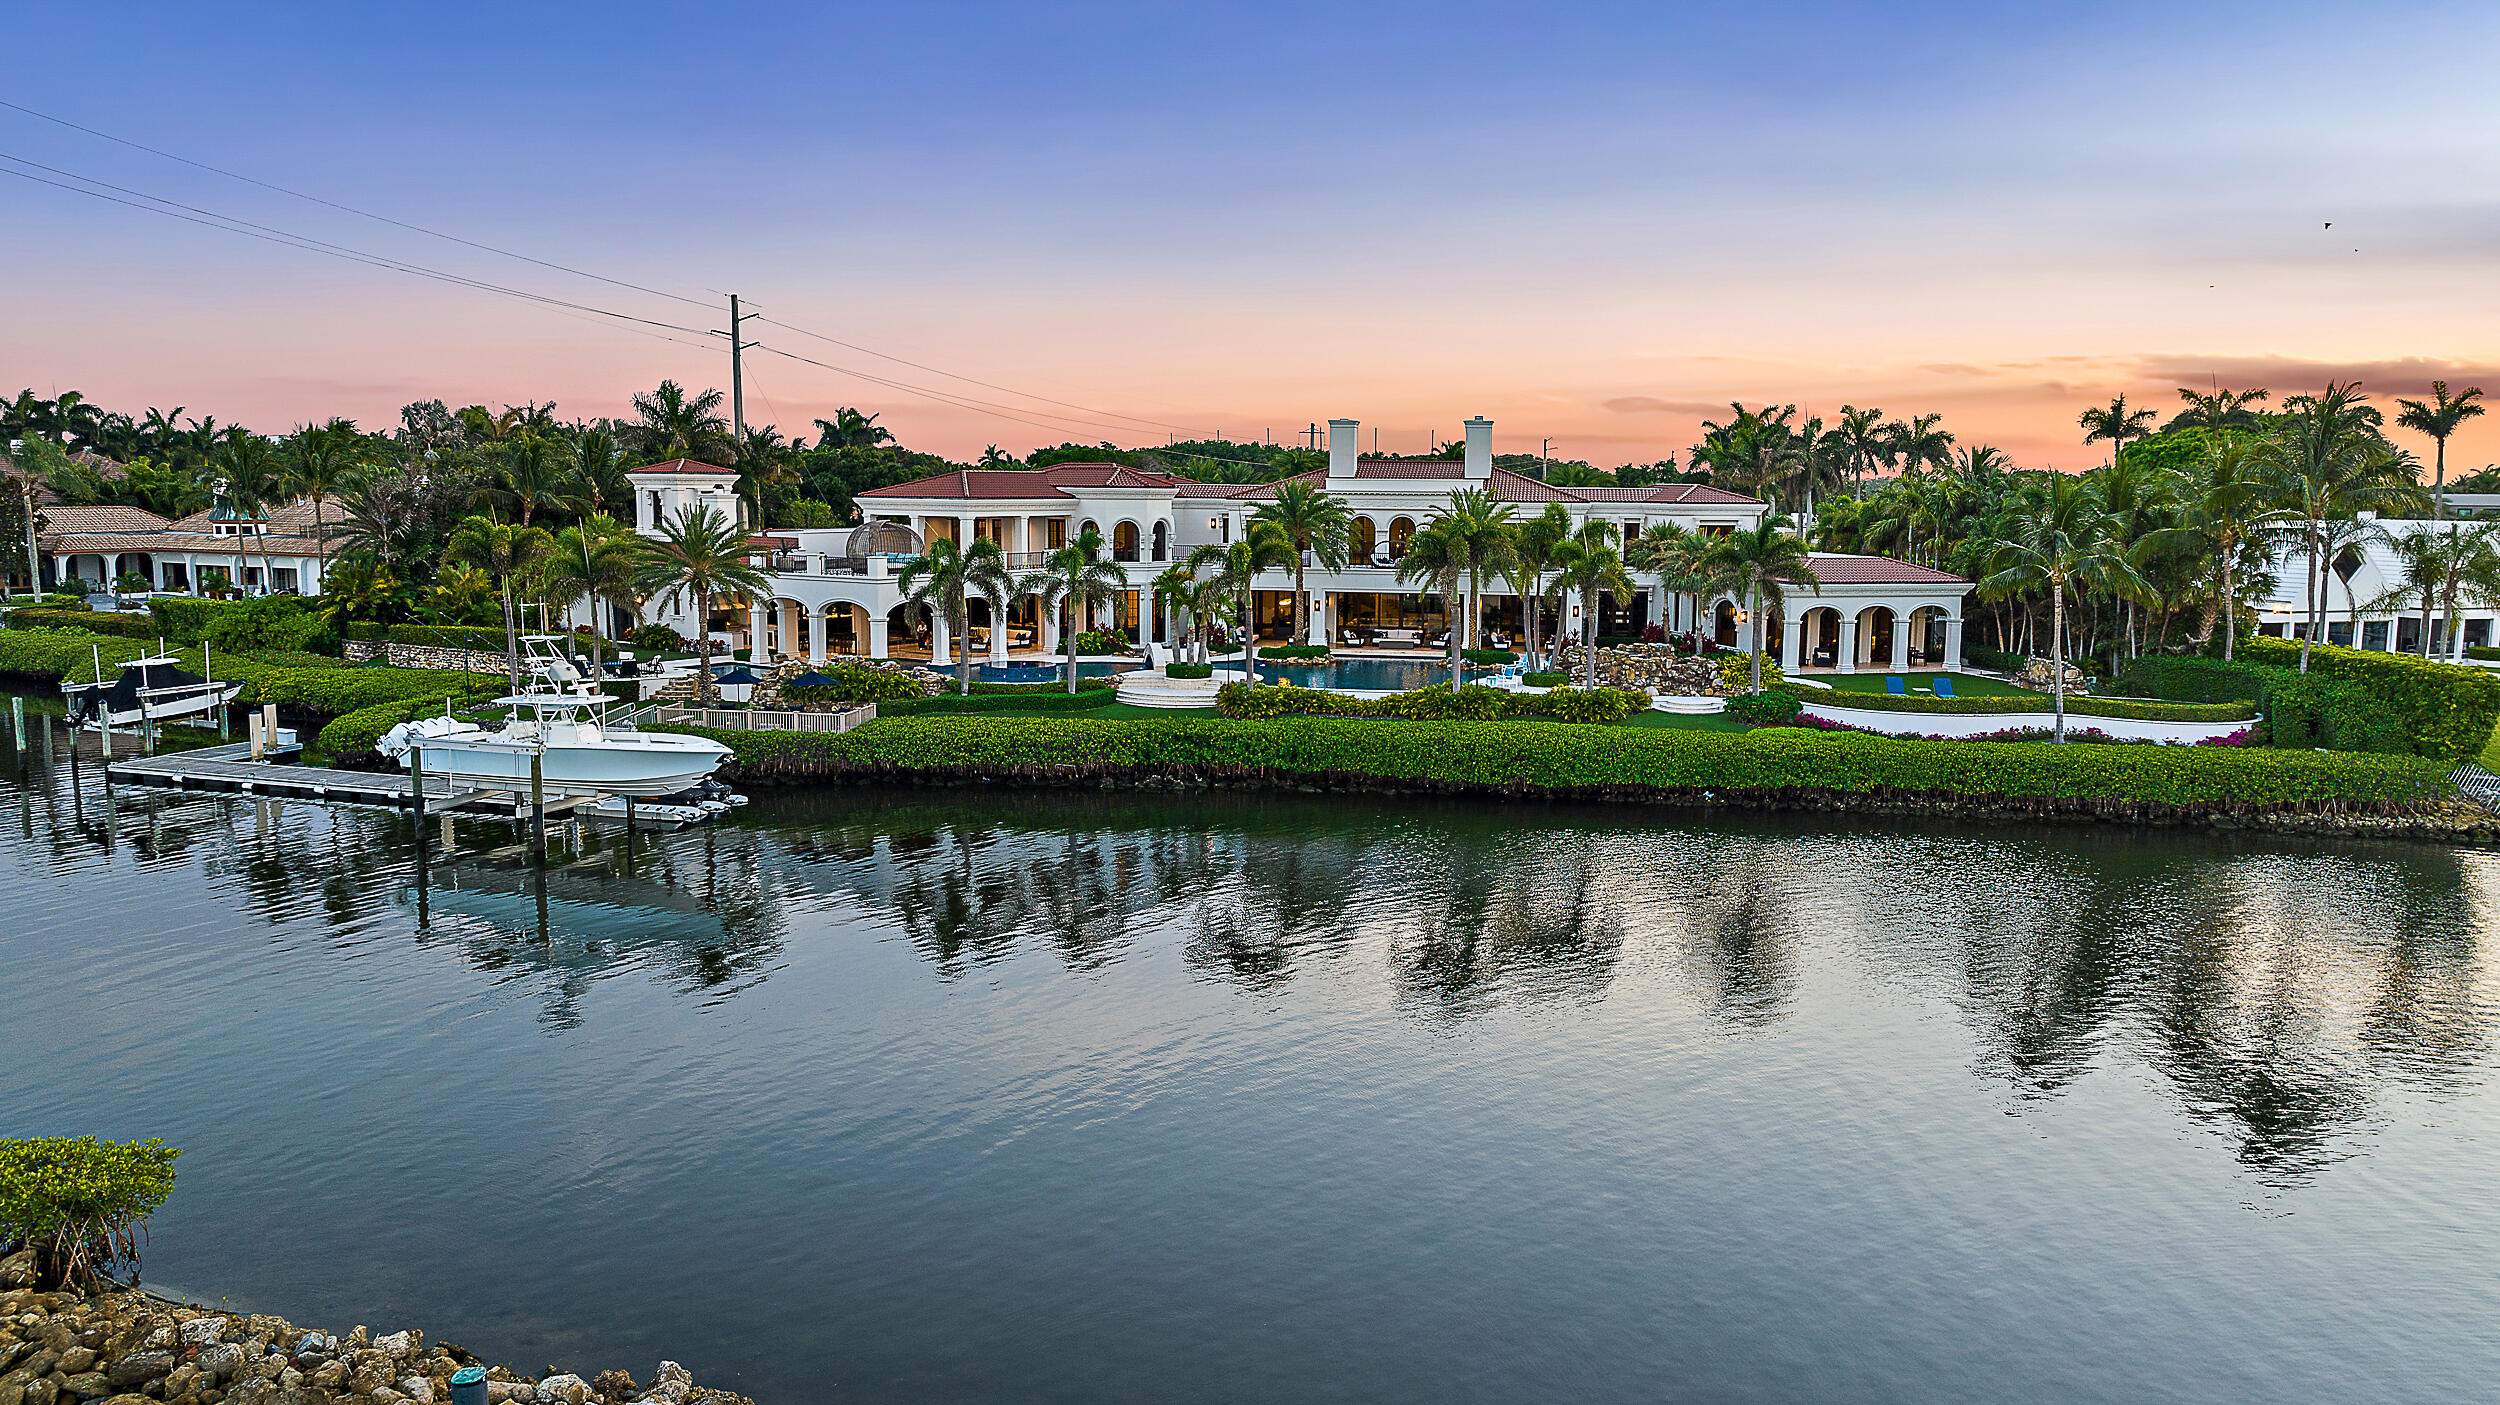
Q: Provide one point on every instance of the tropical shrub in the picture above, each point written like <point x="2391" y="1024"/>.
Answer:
<point x="2441" y="709"/>
<point x="1546" y="680"/>
<point x="657" y="638"/>
<point x="1993" y="660"/>
<point x="63" y="599"/>
<point x="852" y="683"/>
<point x="1777" y="765"/>
<point x="1472" y="703"/>
<point x="2194" y="678"/>
<point x="1765" y="709"/>
<point x="1083" y="700"/>
<point x="1103" y="641"/>
<point x="449" y="636"/>
<point x="185" y="619"/>
<point x="81" y="1204"/>
<point x="93" y="621"/>
<point x="271" y="622"/>
<point x="1495" y="657"/>
<point x="2482" y="651"/>
<point x="1083" y="682"/>
<point x="1294" y="651"/>
<point x="1189" y="670"/>
<point x="1736" y="671"/>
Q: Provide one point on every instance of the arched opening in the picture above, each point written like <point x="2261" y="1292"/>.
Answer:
<point x="1163" y="541"/>
<point x="1875" y="636"/>
<point x="1818" y="638"/>
<point x="1401" y="531"/>
<point x="1124" y="542"/>
<point x="1359" y="543"/>
<point x="1723" y="625"/>
<point x="1927" y="636"/>
<point x="844" y="626"/>
<point x="907" y="630"/>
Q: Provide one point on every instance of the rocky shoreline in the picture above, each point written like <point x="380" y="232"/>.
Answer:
<point x="126" y="1347"/>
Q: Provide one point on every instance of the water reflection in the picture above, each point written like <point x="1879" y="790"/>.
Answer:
<point x="2278" y="990"/>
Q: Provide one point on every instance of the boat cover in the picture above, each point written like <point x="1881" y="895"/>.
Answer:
<point x="123" y="696"/>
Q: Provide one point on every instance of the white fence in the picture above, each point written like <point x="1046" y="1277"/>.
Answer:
<point x="739" y="719"/>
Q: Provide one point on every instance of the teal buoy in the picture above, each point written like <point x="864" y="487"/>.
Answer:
<point x="468" y="1386"/>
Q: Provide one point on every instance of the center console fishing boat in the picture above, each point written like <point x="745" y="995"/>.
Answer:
<point x="561" y="720"/>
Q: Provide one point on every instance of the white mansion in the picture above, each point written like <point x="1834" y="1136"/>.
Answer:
<point x="834" y="592"/>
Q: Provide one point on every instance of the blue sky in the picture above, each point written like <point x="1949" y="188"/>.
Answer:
<point x="1591" y="222"/>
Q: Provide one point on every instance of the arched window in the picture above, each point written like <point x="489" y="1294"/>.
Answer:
<point x="1124" y="542"/>
<point x="1359" y="541"/>
<point x="1163" y="541"/>
<point x="1401" y="531"/>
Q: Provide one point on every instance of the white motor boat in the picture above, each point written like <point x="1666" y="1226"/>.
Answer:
<point x="561" y="722"/>
<point x="153" y="689"/>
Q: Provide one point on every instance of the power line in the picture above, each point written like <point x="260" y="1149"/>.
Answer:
<point x="350" y="209"/>
<point x="192" y="214"/>
<point x="968" y="380"/>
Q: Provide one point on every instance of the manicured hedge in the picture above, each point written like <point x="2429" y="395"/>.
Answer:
<point x="2443" y="709"/>
<point x="1294" y="651"/>
<point x="1496" y="657"/>
<point x="1083" y="682"/>
<point x="1777" y="764"/>
<point x="2194" y="678"/>
<point x="1082" y="700"/>
<point x="98" y="622"/>
<point x="2077" y="705"/>
<point x="1993" y="660"/>
<point x="1546" y="680"/>
<point x="72" y="654"/>
<point x="1474" y="702"/>
<point x="1189" y="670"/>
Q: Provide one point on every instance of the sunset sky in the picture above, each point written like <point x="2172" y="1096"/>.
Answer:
<point x="1598" y="223"/>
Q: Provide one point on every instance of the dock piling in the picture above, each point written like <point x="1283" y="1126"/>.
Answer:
<point x="538" y="804"/>
<point x="17" y="722"/>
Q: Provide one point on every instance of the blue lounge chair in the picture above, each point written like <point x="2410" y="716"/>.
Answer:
<point x="1944" y="686"/>
<point x="1895" y="686"/>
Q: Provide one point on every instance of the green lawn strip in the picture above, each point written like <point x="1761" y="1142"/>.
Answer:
<point x="1967" y="685"/>
<point x="1562" y="756"/>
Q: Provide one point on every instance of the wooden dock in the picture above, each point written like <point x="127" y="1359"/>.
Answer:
<point x="230" y="770"/>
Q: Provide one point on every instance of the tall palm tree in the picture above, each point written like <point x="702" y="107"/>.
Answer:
<point x="1235" y="568"/>
<point x="598" y="471"/>
<point x="1589" y="565"/>
<point x="849" y="429"/>
<point x="1532" y="557"/>
<point x="2141" y="502"/>
<point x="504" y="551"/>
<point x="1078" y="574"/>
<point x="535" y="472"/>
<point x="2217" y="409"/>
<point x="1670" y="551"/>
<point x="1472" y="538"/>
<point x="252" y="483"/>
<point x="1318" y="523"/>
<point x="763" y="460"/>
<point x="702" y="555"/>
<point x="2471" y="576"/>
<point x="947" y="577"/>
<point x="1918" y="442"/>
<point x="2227" y="503"/>
<point x="383" y="518"/>
<point x="320" y="459"/>
<point x="2330" y="463"/>
<point x="2440" y="416"/>
<point x="674" y="425"/>
<point x="991" y="457"/>
<point x="1757" y="565"/>
<point x="2067" y="545"/>
<point x="2115" y="423"/>
<point x="1860" y="439"/>
<point x="595" y="559"/>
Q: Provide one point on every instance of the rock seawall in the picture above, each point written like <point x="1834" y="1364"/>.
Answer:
<point x="124" y="1347"/>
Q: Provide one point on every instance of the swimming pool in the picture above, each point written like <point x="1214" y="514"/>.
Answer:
<point x="1356" y="675"/>
<point x="1046" y="672"/>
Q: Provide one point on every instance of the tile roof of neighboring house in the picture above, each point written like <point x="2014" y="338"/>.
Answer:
<point x="1051" y="482"/>
<point x="101" y="519"/>
<point x="296" y="516"/>
<point x="174" y="544"/>
<point x="1835" y="568"/>
<point x="695" y="468"/>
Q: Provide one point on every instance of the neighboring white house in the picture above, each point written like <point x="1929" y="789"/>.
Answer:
<point x="834" y="590"/>
<point x="2359" y="581"/>
<point x="271" y="553"/>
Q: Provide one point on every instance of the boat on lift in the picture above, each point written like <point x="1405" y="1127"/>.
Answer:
<point x="561" y="721"/>
<point x="154" y="689"/>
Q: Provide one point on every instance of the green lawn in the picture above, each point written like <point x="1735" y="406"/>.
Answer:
<point x="2490" y="759"/>
<point x="1964" y="684"/>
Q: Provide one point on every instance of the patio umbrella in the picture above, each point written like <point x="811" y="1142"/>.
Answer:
<point x="811" y="679"/>
<point x="735" y="674"/>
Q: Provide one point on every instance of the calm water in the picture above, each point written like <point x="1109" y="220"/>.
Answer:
<point x="1384" y="675"/>
<point x="929" y="1096"/>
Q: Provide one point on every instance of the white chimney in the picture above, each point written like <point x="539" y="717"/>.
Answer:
<point x="1480" y="448"/>
<point x="1345" y="441"/>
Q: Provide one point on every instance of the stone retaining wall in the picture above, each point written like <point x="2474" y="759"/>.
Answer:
<point x="125" y="1347"/>
<point x="399" y="655"/>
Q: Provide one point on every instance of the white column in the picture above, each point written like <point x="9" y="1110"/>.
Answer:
<point x="1317" y="632"/>
<point x="815" y="635"/>
<point x="1137" y="622"/>
<point x="941" y="651"/>
<point x="1848" y="641"/>
<point x="755" y="630"/>
<point x="1900" y="642"/>
<point x="998" y="634"/>
<point x="876" y="636"/>
<point x="1953" y="643"/>
<point x="1050" y="630"/>
<point x="1792" y="635"/>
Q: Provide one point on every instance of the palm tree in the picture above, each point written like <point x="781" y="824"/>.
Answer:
<point x="1472" y="538"/>
<point x="1532" y="555"/>
<point x="2439" y="417"/>
<point x="1318" y="523"/>
<point x="2217" y="410"/>
<point x="249" y="468"/>
<point x="2229" y="503"/>
<point x="1757" y="565"/>
<point x="699" y="554"/>
<point x="1590" y="565"/>
<point x="1235" y="568"/>
<point x="503" y="551"/>
<point x="991" y="457"/>
<point x="532" y="472"/>
<point x="1918" y="442"/>
<point x="321" y="458"/>
<point x="1077" y="574"/>
<point x="946" y="577"/>
<point x="1183" y="595"/>
<point x="598" y="476"/>
<point x="2066" y="545"/>
<point x="2140" y="503"/>
<point x="1860" y="439"/>
<point x="849" y="429"/>
<point x="675" y="425"/>
<point x="2330" y="463"/>
<point x="763" y="459"/>
<point x="2471" y="575"/>
<point x="383" y="517"/>
<point x="597" y="558"/>
<point x="2115" y="423"/>
<point x="1670" y="551"/>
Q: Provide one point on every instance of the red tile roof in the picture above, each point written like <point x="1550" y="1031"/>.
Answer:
<point x="101" y="519"/>
<point x="1834" y="568"/>
<point x="1051" y="482"/>
<point x="691" y="467"/>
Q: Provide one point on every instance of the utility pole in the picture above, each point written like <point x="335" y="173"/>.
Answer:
<point x="1545" y="460"/>
<point x="738" y="402"/>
